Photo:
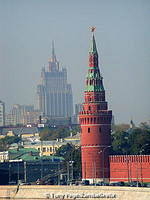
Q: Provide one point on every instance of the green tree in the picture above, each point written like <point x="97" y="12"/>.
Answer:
<point x="131" y="141"/>
<point x="7" y="141"/>
<point x="139" y="141"/>
<point x="121" y="127"/>
<point x="120" y="143"/>
<point x="71" y="153"/>
<point x="50" y="133"/>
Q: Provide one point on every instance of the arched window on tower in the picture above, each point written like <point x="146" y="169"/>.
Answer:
<point x="91" y="120"/>
<point x="97" y="120"/>
<point x="88" y="130"/>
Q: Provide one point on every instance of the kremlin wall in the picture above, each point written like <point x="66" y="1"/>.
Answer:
<point x="128" y="168"/>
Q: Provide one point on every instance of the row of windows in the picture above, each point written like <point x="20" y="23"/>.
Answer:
<point x="98" y="98"/>
<point x="48" y="149"/>
<point x="95" y="120"/>
<point x="93" y="82"/>
<point x="89" y="130"/>
<point x="98" y="107"/>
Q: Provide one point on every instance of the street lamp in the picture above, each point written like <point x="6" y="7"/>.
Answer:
<point x="127" y="161"/>
<point x="141" y="149"/>
<point x="94" y="166"/>
<point x="71" y="164"/>
<point x="103" y="160"/>
<point x="9" y="173"/>
<point x="70" y="171"/>
<point x="25" y="171"/>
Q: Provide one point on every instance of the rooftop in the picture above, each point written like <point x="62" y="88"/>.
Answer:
<point x="30" y="154"/>
<point x="19" y="131"/>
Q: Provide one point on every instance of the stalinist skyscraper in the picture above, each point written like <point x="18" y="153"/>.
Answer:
<point x="54" y="93"/>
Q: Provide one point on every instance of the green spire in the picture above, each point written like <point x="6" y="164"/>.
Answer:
<point x="94" y="81"/>
<point x="93" y="48"/>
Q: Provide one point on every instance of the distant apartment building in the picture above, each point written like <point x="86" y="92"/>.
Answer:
<point x="2" y="113"/>
<point x="54" y="93"/>
<point x="78" y="108"/>
<point x="22" y="114"/>
<point x="3" y="156"/>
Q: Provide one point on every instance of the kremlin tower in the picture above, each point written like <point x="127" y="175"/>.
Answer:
<point x="95" y="121"/>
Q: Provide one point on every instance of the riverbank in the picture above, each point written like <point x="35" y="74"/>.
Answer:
<point x="30" y="192"/>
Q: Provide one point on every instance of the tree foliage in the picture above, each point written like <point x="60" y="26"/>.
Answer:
<point x="131" y="141"/>
<point x="71" y="153"/>
<point x="6" y="141"/>
<point x="52" y="133"/>
<point x="121" y="127"/>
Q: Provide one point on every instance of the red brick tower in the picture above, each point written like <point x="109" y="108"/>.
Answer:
<point x="95" y="121"/>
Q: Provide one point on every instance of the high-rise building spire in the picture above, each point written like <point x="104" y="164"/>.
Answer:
<point x="53" y="52"/>
<point x="53" y="64"/>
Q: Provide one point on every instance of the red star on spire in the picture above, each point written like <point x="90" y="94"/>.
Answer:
<point x="93" y="29"/>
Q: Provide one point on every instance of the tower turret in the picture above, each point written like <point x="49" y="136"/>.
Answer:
<point x="95" y="120"/>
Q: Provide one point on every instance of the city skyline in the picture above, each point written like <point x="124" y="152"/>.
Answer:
<point x="28" y="27"/>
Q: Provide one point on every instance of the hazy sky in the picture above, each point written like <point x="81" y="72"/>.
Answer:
<point x="27" y="28"/>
